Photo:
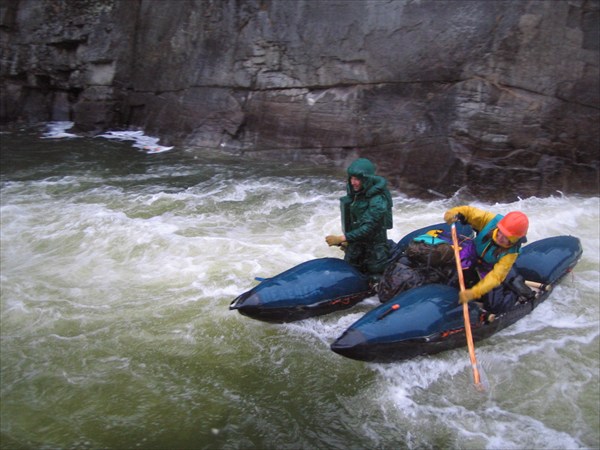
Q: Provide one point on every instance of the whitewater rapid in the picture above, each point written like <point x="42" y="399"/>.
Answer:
<point x="117" y="270"/>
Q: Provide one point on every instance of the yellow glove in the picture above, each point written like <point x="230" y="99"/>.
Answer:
<point x="466" y="296"/>
<point x="335" y="240"/>
<point x="450" y="216"/>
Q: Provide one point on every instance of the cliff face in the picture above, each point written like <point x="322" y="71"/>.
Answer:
<point x="499" y="96"/>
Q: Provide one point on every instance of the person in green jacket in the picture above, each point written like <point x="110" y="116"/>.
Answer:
<point x="366" y="216"/>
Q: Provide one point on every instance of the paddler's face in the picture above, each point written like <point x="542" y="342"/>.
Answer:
<point x="502" y="240"/>
<point x="356" y="184"/>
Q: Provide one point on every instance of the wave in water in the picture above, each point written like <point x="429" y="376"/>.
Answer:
<point x="148" y="144"/>
<point x="116" y="330"/>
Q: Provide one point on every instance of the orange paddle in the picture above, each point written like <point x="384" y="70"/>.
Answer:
<point x="461" y="280"/>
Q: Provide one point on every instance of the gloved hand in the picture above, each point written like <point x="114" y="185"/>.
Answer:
<point x="335" y="240"/>
<point x="466" y="296"/>
<point x="450" y="216"/>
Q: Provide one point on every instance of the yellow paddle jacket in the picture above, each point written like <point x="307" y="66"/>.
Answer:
<point x="478" y="219"/>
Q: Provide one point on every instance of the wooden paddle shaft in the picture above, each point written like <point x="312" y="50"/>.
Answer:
<point x="467" y="319"/>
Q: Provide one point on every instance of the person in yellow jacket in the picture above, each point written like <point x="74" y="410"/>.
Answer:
<point x="497" y="244"/>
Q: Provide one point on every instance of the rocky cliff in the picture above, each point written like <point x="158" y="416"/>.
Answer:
<point x="499" y="96"/>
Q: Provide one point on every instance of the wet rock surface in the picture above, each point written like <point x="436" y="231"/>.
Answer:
<point x="498" y="98"/>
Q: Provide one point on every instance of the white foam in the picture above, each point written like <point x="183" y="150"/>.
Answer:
<point x="108" y="265"/>
<point x="57" y="130"/>
<point x="148" y="144"/>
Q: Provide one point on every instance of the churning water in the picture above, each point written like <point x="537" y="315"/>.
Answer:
<point x="117" y="270"/>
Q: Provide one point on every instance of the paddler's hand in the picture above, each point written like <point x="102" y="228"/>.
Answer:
<point x="466" y="296"/>
<point x="335" y="240"/>
<point x="450" y="217"/>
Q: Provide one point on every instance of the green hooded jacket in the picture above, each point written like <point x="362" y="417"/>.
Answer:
<point x="366" y="214"/>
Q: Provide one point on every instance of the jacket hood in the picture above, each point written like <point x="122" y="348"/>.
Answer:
<point x="372" y="184"/>
<point x="364" y="170"/>
<point x="361" y="168"/>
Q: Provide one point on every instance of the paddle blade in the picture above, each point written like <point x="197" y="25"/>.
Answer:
<point x="484" y="383"/>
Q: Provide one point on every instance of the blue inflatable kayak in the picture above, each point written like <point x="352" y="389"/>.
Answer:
<point x="427" y="319"/>
<point x="313" y="288"/>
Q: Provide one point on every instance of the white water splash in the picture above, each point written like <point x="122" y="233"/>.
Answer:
<point x="148" y="144"/>
<point x="116" y="286"/>
<point x="58" y="130"/>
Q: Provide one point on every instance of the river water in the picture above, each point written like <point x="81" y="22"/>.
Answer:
<point x="117" y="270"/>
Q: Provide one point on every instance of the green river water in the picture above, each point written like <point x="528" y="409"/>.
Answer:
<point x="117" y="270"/>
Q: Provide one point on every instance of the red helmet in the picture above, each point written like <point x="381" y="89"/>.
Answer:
<point x="514" y="225"/>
